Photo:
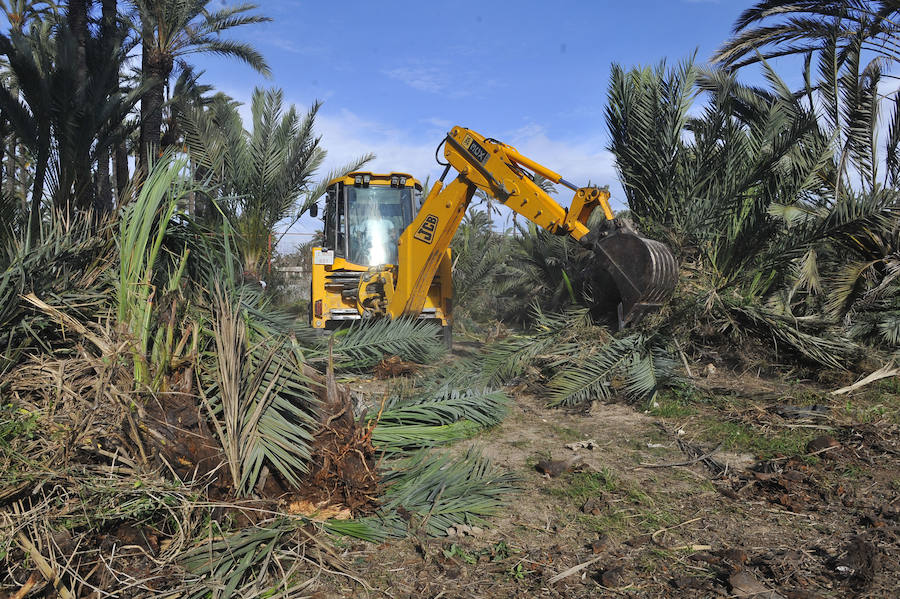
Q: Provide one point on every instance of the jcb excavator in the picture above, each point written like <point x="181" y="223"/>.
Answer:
<point x="383" y="258"/>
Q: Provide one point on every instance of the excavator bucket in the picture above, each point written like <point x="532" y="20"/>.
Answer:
<point x="643" y="270"/>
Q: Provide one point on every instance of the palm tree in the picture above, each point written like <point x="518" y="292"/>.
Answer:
<point x="20" y="12"/>
<point x="173" y="29"/>
<point x="755" y="190"/>
<point x="265" y="175"/>
<point x="773" y="28"/>
<point x="66" y="116"/>
<point x="854" y="44"/>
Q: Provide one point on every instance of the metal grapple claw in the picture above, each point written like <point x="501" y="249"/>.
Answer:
<point x="643" y="270"/>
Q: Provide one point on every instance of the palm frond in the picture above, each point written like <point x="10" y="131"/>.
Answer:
<point x="554" y="335"/>
<point x="440" y="490"/>
<point x="222" y="565"/>
<point x="259" y="402"/>
<point x="366" y="343"/>
<point x="423" y="421"/>
<point x="625" y="364"/>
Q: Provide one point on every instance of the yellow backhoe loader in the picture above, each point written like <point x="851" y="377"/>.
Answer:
<point x="383" y="257"/>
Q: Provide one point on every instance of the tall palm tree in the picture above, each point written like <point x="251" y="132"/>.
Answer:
<point x="19" y="13"/>
<point x="65" y="115"/>
<point x="854" y="44"/>
<point x="109" y="22"/>
<point x="172" y="30"/>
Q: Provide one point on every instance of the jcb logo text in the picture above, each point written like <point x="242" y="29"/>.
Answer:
<point x="426" y="231"/>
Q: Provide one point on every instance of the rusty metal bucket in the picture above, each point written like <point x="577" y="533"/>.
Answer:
<point x="643" y="270"/>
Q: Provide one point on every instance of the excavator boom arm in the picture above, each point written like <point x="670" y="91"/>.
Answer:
<point x="501" y="172"/>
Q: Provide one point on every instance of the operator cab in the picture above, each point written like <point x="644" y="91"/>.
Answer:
<point x="365" y="214"/>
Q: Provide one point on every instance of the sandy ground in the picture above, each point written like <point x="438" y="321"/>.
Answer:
<point x="737" y="488"/>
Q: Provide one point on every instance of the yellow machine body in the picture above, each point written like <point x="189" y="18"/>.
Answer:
<point x="406" y="271"/>
<point x="353" y="273"/>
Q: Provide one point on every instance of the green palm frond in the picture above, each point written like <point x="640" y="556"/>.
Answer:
<point x="459" y="373"/>
<point x="440" y="490"/>
<point x="773" y="28"/>
<point x="555" y="336"/>
<point x="625" y="363"/>
<point x="423" y="421"/>
<point x="874" y="317"/>
<point x="224" y="565"/>
<point x="66" y="267"/>
<point x="369" y="529"/>
<point x="391" y="438"/>
<point x="889" y="328"/>
<point x="366" y="343"/>
<point x="259" y="401"/>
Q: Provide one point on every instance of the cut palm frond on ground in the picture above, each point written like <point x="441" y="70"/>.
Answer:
<point x="629" y="365"/>
<point x="439" y="491"/>
<point x="367" y="343"/>
<point x="425" y="421"/>
<point x="225" y="565"/>
<point x="554" y="337"/>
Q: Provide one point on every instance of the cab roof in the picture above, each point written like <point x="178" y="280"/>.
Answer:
<point x="378" y="179"/>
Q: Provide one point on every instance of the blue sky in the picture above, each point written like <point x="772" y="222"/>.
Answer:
<point x="395" y="76"/>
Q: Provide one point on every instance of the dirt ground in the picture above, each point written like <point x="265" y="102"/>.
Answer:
<point x="737" y="485"/>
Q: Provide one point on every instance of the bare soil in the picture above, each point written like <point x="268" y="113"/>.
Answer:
<point x="741" y="487"/>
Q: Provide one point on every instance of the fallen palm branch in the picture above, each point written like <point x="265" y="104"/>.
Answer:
<point x="243" y="558"/>
<point x="554" y="337"/>
<point x="887" y="371"/>
<point x="367" y="343"/>
<point x="422" y="422"/>
<point x="430" y="493"/>
<point x="628" y="365"/>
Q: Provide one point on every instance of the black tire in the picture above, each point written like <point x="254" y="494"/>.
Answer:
<point x="447" y="335"/>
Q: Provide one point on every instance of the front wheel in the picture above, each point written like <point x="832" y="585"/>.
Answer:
<point x="447" y="335"/>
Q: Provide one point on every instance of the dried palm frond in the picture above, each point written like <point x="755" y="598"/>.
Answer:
<point x="808" y="337"/>
<point x="874" y="319"/>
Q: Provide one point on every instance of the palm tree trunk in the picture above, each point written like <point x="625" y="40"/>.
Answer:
<point x="120" y="162"/>
<point x="104" y="199"/>
<point x="151" y="118"/>
<point x="77" y="18"/>
<point x="153" y="71"/>
<point x="37" y="190"/>
<point x="151" y="126"/>
<point x="109" y="14"/>
<point x="11" y="166"/>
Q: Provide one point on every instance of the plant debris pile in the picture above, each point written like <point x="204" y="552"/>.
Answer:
<point x="164" y="429"/>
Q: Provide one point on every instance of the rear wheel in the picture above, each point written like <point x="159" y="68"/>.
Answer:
<point x="447" y="335"/>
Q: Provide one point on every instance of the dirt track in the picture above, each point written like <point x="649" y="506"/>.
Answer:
<point x="639" y="515"/>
